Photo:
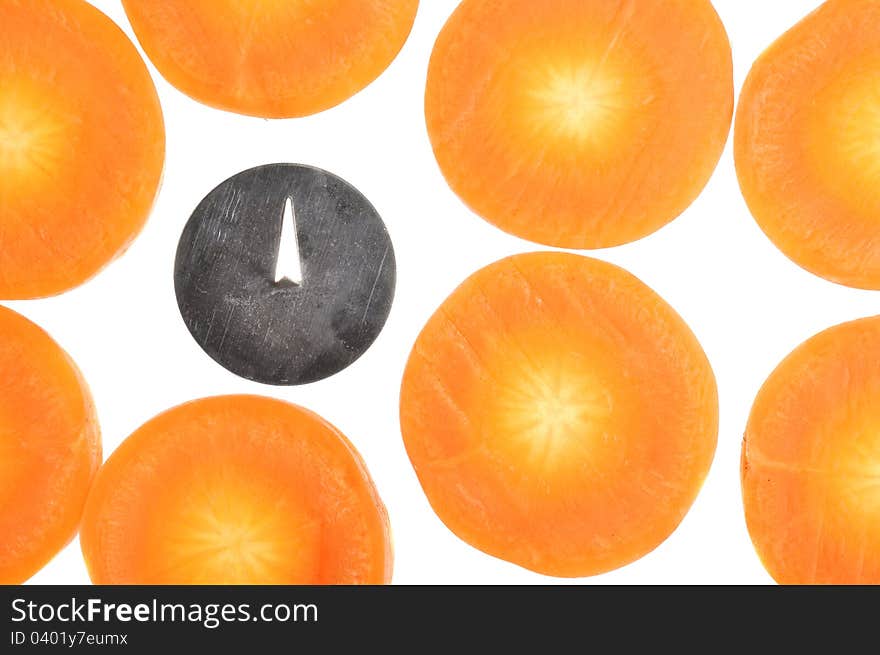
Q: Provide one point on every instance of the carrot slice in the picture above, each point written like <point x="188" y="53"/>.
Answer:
<point x="807" y="142"/>
<point x="811" y="461"/>
<point x="275" y="58"/>
<point x="580" y="123"/>
<point x="82" y="145"/>
<point x="559" y="414"/>
<point x="50" y="447"/>
<point x="236" y="490"/>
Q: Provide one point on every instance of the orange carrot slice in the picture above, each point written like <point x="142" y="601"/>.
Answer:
<point x="811" y="461"/>
<point x="236" y="490"/>
<point x="50" y="447"/>
<point x="82" y="145"/>
<point x="275" y="58"/>
<point x="559" y="414"/>
<point x="807" y="142"/>
<point x="580" y="123"/>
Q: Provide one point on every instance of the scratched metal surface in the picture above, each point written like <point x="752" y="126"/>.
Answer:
<point x="280" y="332"/>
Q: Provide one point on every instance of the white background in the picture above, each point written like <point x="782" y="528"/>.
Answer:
<point x="745" y="301"/>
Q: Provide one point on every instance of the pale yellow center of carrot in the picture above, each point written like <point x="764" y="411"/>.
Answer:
<point x="550" y="413"/>
<point x="856" y="469"/>
<point x="860" y="127"/>
<point x="230" y="533"/>
<point x="845" y="140"/>
<point x="30" y="136"/>
<point x="577" y="102"/>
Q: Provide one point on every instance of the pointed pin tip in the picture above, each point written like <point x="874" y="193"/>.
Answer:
<point x="288" y="264"/>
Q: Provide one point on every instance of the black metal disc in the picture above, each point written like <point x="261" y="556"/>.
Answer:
<point x="284" y="332"/>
